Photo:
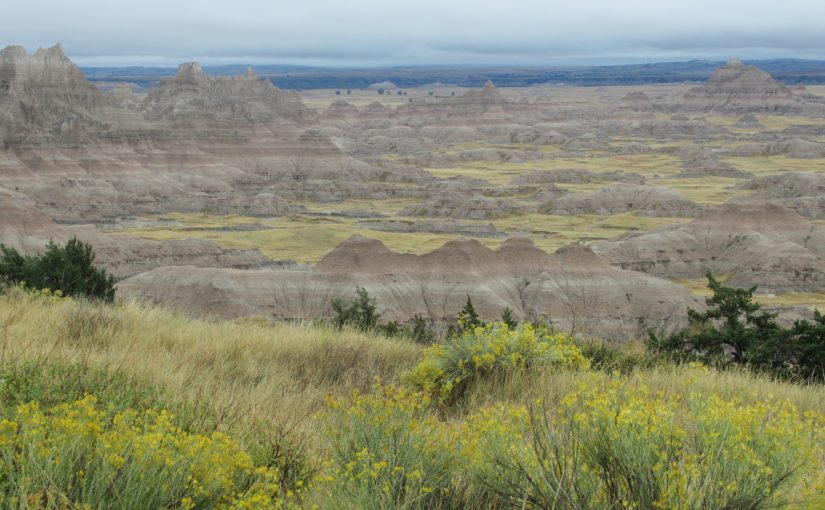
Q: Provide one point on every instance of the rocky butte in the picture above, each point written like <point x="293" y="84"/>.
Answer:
<point x="737" y="87"/>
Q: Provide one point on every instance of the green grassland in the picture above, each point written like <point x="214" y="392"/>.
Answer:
<point x="500" y="173"/>
<point x="767" y="165"/>
<point x="307" y="239"/>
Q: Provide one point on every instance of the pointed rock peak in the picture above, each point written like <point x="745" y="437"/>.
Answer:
<point x="488" y="94"/>
<point x="250" y="74"/>
<point x="55" y="52"/>
<point x="191" y="74"/>
<point x="14" y="52"/>
<point x="737" y="72"/>
<point x="352" y="252"/>
<point x="489" y="88"/>
<point x="190" y="69"/>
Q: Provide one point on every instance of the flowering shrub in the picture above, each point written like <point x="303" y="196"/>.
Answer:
<point x="625" y="447"/>
<point x="388" y="451"/>
<point x="75" y="456"/>
<point x="446" y="368"/>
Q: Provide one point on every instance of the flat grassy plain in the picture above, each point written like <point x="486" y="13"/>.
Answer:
<point x="500" y="173"/>
<point x="307" y="239"/>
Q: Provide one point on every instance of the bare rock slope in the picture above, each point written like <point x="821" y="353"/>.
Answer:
<point x="754" y="243"/>
<point x="573" y="288"/>
<point x="740" y="88"/>
<point x="620" y="198"/>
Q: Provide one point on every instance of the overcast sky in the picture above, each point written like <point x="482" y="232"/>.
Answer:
<point x="401" y="32"/>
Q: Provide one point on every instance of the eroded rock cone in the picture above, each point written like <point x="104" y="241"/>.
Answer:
<point x="737" y="87"/>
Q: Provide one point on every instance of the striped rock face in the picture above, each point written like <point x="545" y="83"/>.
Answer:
<point x="572" y="288"/>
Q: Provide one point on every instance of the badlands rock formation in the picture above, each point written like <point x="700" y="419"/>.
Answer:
<point x="458" y="206"/>
<point x="620" y="198"/>
<point x="573" y="288"/>
<point x="190" y="93"/>
<point x="699" y="162"/>
<point x="798" y="191"/>
<point x="74" y="158"/>
<point x="753" y="243"/>
<point x="737" y="87"/>
<point x="26" y="229"/>
<point x="45" y="95"/>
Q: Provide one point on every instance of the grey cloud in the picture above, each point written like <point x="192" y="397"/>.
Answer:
<point x="364" y="32"/>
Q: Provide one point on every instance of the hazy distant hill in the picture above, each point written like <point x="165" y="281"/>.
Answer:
<point x="789" y="71"/>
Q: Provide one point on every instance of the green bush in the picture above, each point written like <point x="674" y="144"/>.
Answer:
<point x="609" y="358"/>
<point x="361" y="314"/>
<point x="448" y="368"/>
<point x="66" y="269"/>
<point x="734" y="330"/>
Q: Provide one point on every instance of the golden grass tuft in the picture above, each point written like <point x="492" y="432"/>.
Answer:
<point x="245" y="371"/>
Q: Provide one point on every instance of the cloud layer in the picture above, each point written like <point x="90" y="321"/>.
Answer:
<point x="373" y="32"/>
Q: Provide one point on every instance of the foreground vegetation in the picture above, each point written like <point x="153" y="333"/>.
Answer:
<point x="104" y="405"/>
<point x="67" y="269"/>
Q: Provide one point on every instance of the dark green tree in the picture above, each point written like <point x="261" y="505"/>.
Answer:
<point x="507" y="318"/>
<point x="360" y="313"/>
<point x="69" y="269"/>
<point x="733" y="328"/>
<point x="798" y="351"/>
<point x="466" y="320"/>
<point x="420" y="330"/>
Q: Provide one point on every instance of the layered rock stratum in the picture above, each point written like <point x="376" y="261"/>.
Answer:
<point x="751" y="242"/>
<point x="572" y="288"/>
<point x="737" y="87"/>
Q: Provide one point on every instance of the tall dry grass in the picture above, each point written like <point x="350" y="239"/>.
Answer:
<point x="242" y="372"/>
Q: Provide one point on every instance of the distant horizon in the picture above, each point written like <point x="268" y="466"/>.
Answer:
<point x="210" y="62"/>
<point x="372" y="33"/>
<point x="276" y="64"/>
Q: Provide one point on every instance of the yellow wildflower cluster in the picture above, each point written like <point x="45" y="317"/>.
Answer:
<point x="613" y="443"/>
<point x="445" y="368"/>
<point x="75" y="455"/>
<point x="623" y="446"/>
<point x="387" y="450"/>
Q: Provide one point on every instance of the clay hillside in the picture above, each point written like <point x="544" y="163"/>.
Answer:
<point x="572" y="288"/>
